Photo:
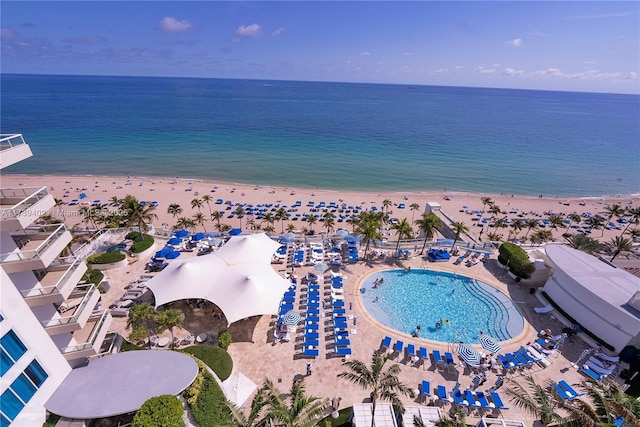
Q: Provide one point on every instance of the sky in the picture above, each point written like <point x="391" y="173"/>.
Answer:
<point x="586" y="46"/>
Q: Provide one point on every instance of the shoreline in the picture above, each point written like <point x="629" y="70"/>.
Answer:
<point x="464" y="207"/>
<point x="616" y="196"/>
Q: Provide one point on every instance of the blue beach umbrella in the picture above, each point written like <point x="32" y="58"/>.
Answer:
<point x="172" y="255"/>
<point x="469" y="355"/>
<point x="291" y="318"/>
<point x="181" y="233"/>
<point x="197" y="237"/>
<point x="235" y="231"/>
<point x="82" y="195"/>
<point x="174" y="241"/>
<point x="489" y="343"/>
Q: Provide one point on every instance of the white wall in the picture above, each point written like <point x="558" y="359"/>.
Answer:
<point x="608" y="323"/>
<point x="19" y="318"/>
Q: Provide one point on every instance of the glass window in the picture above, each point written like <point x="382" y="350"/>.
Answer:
<point x="23" y="388"/>
<point x="12" y="345"/>
<point x="11" y="405"/>
<point x="36" y="374"/>
<point x="4" y="421"/>
<point x="5" y="362"/>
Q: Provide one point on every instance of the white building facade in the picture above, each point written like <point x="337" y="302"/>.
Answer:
<point x="49" y="323"/>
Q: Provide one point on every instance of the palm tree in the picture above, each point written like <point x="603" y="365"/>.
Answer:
<point x="414" y="207"/>
<point x="142" y="320"/>
<point x="239" y="212"/>
<point x="291" y="228"/>
<point x="634" y="217"/>
<point x="269" y="229"/>
<point x="269" y="219"/>
<point x="59" y="203"/>
<point x="584" y="243"/>
<point x="458" y="228"/>
<point x="605" y="403"/>
<point x="537" y="400"/>
<point x="486" y="201"/>
<point x="494" y="210"/>
<point x="403" y="230"/>
<point x="295" y="409"/>
<point x="329" y="222"/>
<point x="368" y="224"/>
<point x="619" y="245"/>
<point x="217" y="216"/>
<point x="138" y="213"/>
<point x="384" y="384"/>
<point x="311" y="219"/>
<point x="385" y="205"/>
<point x="596" y="222"/>
<point x="428" y="224"/>
<point x="115" y="201"/>
<point x="573" y="218"/>
<point x="613" y="210"/>
<point x="555" y="220"/>
<point x="200" y="218"/>
<point x="207" y="199"/>
<point x="495" y="237"/>
<point x="197" y="203"/>
<point x="281" y="215"/>
<point x="174" y="209"/>
<point x="168" y="319"/>
<point x="185" y="223"/>
<point x="517" y="226"/>
<point x="532" y="224"/>
<point x="253" y="419"/>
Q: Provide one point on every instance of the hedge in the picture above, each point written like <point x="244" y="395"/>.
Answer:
<point x="207" y="401"/>
<point x="143" y="244"/>
<point x="93" y="276"/>
<point x="165" y="410"/>
<point x="215" y="358"/>
<point x="133" y="235"/>
<point x="105" y="257"/>
<point x="517" y="260"/>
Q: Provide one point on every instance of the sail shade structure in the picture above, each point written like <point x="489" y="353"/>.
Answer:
<point x="238" y="278"/>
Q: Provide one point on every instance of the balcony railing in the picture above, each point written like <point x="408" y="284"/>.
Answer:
<point x="53" y="232"/>
<point x="8" y="141"/>
<point x="72" y="265"/>
<point x="91" y="340"/>
<point x="88" y="291"/>
<point x="26" y="198"/>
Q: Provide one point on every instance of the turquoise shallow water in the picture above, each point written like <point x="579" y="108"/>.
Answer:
<point x="331" y="135"/>
<point x="465" y="306"/>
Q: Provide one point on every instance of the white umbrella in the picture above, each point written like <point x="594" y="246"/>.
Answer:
<point x="238" y="388"/>
<point x="469" y="355"/>
<point x="489" y="343"/>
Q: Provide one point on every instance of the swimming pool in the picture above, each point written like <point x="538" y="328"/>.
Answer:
<point x="464" y="306"/>
<point x="118" y="247"/>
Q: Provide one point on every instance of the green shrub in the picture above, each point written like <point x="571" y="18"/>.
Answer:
<point x="215" y="358"/>
<point x="127" y="346"/>
<point x="51" y="421"/>
<point x="517" y="259"/>
<point x="224" y="339"/>
<point x="210" y="408"/>
<point x="133" y="235"/>
<point x="93" y="276"/>
<point x="165" y="410"/>
<point x="143" y="244"/>
<point x="105" y="257"/>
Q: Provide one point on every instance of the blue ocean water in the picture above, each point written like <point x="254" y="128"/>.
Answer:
<point x="328" y="135"/>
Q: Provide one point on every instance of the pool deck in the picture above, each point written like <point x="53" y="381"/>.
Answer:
<point x="256" y="355"/>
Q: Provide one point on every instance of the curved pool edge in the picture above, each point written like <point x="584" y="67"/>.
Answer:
<point x="527" y="329"/>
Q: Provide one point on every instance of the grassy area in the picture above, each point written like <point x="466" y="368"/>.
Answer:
<point x="127" y="346"/>
<point x="215" y="358"/>
<point x="341" y="421"/>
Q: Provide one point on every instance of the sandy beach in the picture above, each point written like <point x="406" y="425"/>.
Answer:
<point x="463" y="207"/>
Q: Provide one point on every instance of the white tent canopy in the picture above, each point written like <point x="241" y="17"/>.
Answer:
<point x="238" y="388"/>
<point x="238" y="278"/>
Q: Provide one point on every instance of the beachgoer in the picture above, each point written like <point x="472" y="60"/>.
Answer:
<point x="375" y="299"/>
<point x="309" y="368"/>
<point x="439" y="324"/>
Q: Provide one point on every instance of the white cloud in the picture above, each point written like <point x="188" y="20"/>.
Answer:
<point x="515" y="42"/>
<point x="365" y="54"/>
<point x="173" y="25"/>
<point x="7" y="34"/>
<point x="512" y="72"/>
<point x="441" y="71"/>
<point x="408" y="53"/>
<point x="277" y="32"/>
<point x="630" y="76"/>
<point x="483" y="70"/>
<point x="253" y="30"/>
<point x="458" y="68"/>
<point x="549" y="72"/>
<point x="379" y="63"/>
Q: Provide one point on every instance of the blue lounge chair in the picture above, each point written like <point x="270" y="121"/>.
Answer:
<point x="312" y="326"/>
<point x="570" y="390"/>
<point x="437" y="359"/>
<point x="423" y="353"/>
<point x="470" y="398"/>
<point x="310" y="352"/>
<point x="311" y="335"/>
<point x="398" y="347"/>
<point x="590" y="373"/>
<point x="386" y="343"/>
<point x="311" y="343"/>
<point x="339" y="311"/>
<point x="442" y="394"/>
<point x="343" y="342"/>
<point x="342" y="351"/>
<point x="448" y="359"/>
<point x="563" y="393"/>
<point x="411" y="350"/>
<point x="458" y="398"/>
<point x="313" y="319"/>
<point x="497" y="400"/>
<point x="484" y="403"/>
<point x="425" y="389"/>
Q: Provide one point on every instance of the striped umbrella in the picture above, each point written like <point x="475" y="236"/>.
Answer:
<point x="469" y="355"/>
<point x="489" y="344"/>
<point x="291" y="318"/>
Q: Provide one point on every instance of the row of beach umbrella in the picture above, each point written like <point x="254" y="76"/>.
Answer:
<point x="472" y="357"/>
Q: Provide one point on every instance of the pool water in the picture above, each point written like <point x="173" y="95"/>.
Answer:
<point x="118" y="247"/>
<point x="464" y="306"/>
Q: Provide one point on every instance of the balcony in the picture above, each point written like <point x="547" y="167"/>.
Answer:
<point x="90" y="338"/>
<point x="74" y="312"/>
<point x="21" y="207"/>
<point x="13" y="149"/>
<point x="36" y="248"/>
<point x="56" y="282"/>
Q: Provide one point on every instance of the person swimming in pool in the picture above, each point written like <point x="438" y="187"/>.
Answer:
<point x="416" y="333"/>
<point x="439" y="324"/>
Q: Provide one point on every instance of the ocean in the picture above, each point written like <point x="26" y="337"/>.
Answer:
<point x="329" y="135"/>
